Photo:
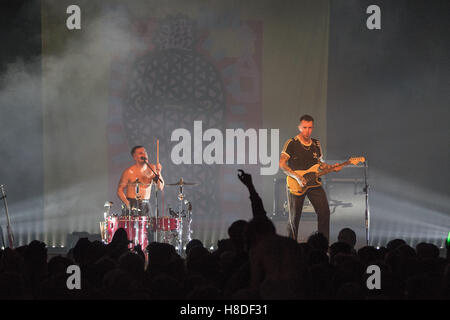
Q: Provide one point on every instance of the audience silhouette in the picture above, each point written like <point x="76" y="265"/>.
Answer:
<point x="253" y="263"/>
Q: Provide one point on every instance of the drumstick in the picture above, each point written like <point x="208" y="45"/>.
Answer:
<point x="157" y="151"/>
<point x="157" y="161"/>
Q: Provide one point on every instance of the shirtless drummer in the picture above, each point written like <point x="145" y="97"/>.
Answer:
<point x="138" y="180"/>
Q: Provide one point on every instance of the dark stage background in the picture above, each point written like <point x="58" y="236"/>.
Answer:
<point x="388" y="99"/>
<point x="21" y="117"/>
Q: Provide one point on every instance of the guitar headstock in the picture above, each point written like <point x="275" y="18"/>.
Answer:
<point x="355" y="160"/>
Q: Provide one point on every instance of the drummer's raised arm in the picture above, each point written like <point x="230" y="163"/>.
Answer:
<point x="123" y="183"/>
<point x="160" y="183"/>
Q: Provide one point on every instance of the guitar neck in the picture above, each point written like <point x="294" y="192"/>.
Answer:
<point x="323" y="172"/>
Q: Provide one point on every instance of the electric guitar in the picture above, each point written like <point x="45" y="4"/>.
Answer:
<point x="312" y="175"/>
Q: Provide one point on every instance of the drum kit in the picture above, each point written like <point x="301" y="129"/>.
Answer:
<point x="143" y="226"/>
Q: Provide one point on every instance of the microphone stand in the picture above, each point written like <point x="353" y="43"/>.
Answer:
<point x="366" y="191"/>
<point x="8" y="222"/>
<point x="3" y="238"/>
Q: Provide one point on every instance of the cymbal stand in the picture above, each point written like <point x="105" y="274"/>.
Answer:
<point x="180" y="227"/>
<point x="157" y="178"/>
<point x="8" y="222"/>
<point x="189" y="221"/>
<point x="367" y="213"/>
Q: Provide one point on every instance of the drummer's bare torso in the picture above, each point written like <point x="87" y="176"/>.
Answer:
<point x="138" y="181"/>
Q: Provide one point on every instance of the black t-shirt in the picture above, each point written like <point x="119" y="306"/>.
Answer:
<point x="302" y="157"/>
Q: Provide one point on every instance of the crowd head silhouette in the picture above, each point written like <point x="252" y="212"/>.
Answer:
<point x="254" y="262"/>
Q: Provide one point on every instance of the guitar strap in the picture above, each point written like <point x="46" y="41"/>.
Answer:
<point x="317" y="143"/>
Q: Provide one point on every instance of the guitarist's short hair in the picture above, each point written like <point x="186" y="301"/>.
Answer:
<point x="306" y="117"/>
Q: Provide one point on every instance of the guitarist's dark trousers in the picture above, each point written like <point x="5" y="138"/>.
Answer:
<point x="319" y="201"/>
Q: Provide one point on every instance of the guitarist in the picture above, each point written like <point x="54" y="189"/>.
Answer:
<point x="301" y="153"/>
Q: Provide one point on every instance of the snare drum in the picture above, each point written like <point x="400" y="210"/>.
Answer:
<point x="137" y="208"/>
